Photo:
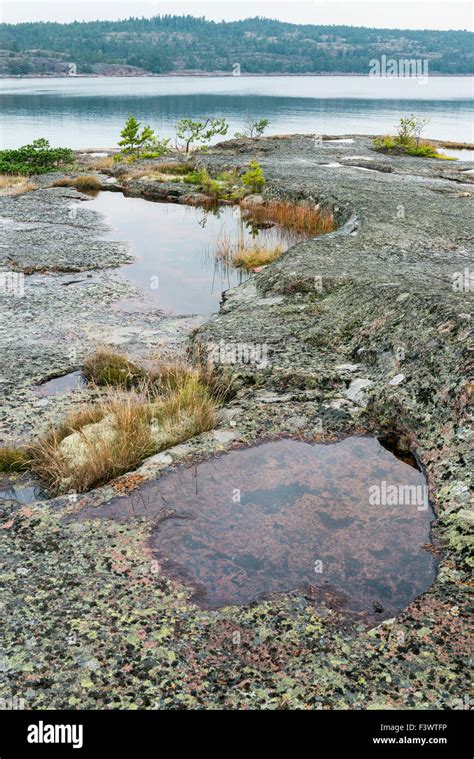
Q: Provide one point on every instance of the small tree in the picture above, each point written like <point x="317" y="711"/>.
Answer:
<point x="253" y="177"/>
<point x="189" y="132"/>
<point x="410" y="128"/>
<point x="253" y="127"/>
<point x="133" y="140"/>
<point x="420" y="124"/>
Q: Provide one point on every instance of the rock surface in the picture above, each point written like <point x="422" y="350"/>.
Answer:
<point x="75" y="447"/>
<point x="372" y="301"/>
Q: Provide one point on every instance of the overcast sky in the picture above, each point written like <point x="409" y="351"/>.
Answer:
<point x="403" y="14"/>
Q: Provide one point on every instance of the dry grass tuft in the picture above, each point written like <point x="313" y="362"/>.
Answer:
<point x="303" y="218"/>
<point x="167" y="378"/>
<point x="187" y="410"/>
<point x="43" y="451"/>
<point x="15" y="184"/>
<point x="256" y="255"/>
<point x="246" y="256"/>
<point x="111" y="438"/>
<point x="101" y="164"/>
<point x="95" y="458"/>
<point x="82" y="182"/>
<point x="448" y="144"/>
<point x="175" y="167"/>
<point x="167" y="171"/>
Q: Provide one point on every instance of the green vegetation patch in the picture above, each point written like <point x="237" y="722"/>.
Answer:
<point x="107" y="368"/>
<point x="37" y="158"/>
<point x="408" y="140"/>
<point x="392" y="145"/>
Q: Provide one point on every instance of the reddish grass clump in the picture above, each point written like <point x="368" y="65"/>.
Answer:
<point x="308" y="220"/>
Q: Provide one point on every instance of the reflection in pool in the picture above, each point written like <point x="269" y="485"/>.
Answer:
<point x="175" y="247"/>
<point x="59" y="385"/>
<point x="344" y="522"/>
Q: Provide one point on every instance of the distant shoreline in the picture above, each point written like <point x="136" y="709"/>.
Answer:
<point x="221" y="75"/>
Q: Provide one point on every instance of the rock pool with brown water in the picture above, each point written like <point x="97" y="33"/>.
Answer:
<point x="343" y="522"/>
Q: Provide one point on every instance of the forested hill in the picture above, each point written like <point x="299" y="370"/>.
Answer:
<point x="184" y="44"/>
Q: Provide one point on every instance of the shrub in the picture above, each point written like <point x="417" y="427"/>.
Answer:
<point x="407" y="140"/>
<point x="409" y="130"/>
<point x="425" y="151"/>
<point x="212" y="187"/>
<point x="392" y="145"/>
<point x="36" y="158"/>
<point x="157" y="148"/>
<point x="253" y="177"/>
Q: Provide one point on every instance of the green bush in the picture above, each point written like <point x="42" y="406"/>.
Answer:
<point x="408" y="147"/>
<point x="407" y="140"/>
<point x="201" y="179"/>
<point x="253" y="177"/>
<point x="196" y="177"/>
<point x="425" y="151"/>
<point x="37" y="158"/>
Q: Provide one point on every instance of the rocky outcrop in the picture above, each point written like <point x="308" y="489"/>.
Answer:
<point x="364" y="330"/>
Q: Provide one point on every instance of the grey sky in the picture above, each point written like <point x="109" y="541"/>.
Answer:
<point x="378" y="13"/>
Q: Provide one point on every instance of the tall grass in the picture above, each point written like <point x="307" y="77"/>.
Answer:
<point x="185" y="409"/>
<point x="101" y="164"/>
<point x="246" y="255"/>
<point x="98" y="458"/>
<point x="15" y="184"/>
<point x="256" y="255"/>
<point x="303" y="218"/>
<point x="82" y="182"/>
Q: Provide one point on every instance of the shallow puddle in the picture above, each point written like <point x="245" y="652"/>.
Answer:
<point x="345" y="522"/>
<point x="175" y="247"/>
<point x="59" y="385"/>
<point x="21" y="489"/>
<point x="460" y="153"/>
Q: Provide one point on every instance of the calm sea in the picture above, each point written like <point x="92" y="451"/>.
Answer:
<point x="90" y="112"/>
